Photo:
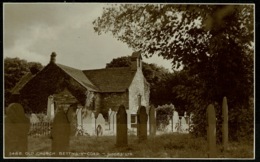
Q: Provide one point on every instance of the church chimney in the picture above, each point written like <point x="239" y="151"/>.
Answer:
<point x="53" y="58"/>
<point x="136" y="61"/>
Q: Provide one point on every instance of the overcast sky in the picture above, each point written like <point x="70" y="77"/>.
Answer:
<point x="33" y="31"/>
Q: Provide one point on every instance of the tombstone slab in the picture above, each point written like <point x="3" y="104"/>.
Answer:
<point x="225" y="124"/>
<point x="16" y="130"/>
<point x="100" y="125"/>
<point x="142" y="122"/>
<point x="175" y="121"/>
<point x="60" y="133"/>
<point x="211" y="131"/>
<point x="152" y="121"/>
<point x="121" y="135"/>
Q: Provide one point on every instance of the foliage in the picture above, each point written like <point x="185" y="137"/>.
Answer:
<point x="163" y="115"/>
<point x="14" y="69"/>
<point x="213" y="44"/>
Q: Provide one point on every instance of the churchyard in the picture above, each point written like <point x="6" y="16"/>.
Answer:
<point x="171" y="145"/>
<point x="59" y="142"/>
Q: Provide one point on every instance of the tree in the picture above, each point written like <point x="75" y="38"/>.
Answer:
<point x="14" y="70"/>
<point x="213" y="44"/>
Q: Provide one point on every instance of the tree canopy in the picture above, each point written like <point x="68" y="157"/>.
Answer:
<point x="214" y="45"/>
<point x="14" y="69"/>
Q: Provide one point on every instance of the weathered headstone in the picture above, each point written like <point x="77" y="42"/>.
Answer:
<point x="16" y="130"/>
<point x="168" y="128"/>
<point x="34" y="119"/>
<point x="142" y="122"/>
<point x="152" y="121"/>
<point x="100" y="124"/>
<point x="211" y="131"/>
<point x="60" y="133"/>
<point x="121" y="135"/>
<point x="225" y="124"/>
<point x="79" y="121"/>
<point x="184" y="125"/>
<point x="50" y="108"/>
<point x="175" y="121"/>
<point x="93" y="123"/>
<point x="87" y="123"/>
<point x="112" y="122"/>
<point x="71" y="115"/>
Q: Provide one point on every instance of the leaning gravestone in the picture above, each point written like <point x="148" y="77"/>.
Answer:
<point x="60" y="133"/>
<point x="16" y="131"/>
<point x="142" y="122"/>
<point x="121" y="130"/>
<point x="211" y="131"/>
<point x="225" y="124"/>
<point x="175" y="121"/>
<point x="152" y="121"/>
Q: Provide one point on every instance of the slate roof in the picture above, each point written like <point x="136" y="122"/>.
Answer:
<point x="99" y="80"/>
<point x="111" y="79"/>
<point x="19" y="85"/>
<point x="79" y="76"/>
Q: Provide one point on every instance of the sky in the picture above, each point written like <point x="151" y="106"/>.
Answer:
<point x="32" y="31"/>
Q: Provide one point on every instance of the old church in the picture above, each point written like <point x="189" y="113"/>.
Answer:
<point x="96" y="90"/>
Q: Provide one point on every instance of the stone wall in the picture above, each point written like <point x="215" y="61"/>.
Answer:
<point x="138" y="87"/>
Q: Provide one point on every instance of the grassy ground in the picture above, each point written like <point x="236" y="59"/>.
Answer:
<point x="161" y="146"/>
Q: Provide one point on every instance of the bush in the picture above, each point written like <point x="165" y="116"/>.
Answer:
<point x="163" y="115"/>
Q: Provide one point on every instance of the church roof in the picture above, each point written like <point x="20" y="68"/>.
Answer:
<point x="98" y="80"/>
<point x="25" y="79"/>
<point x="79" y="76"/>
<point x="111" y="79"/>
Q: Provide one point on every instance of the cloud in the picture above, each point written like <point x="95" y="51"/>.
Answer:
<point x="32" y="31"/>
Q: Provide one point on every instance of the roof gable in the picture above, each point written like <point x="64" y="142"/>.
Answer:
<point x="24" y="80"/>
<point x="111" y="79"/>
<point x="79" y="76"/>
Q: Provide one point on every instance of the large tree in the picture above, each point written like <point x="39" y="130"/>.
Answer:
<point x="213" y="44"/>
<point x="14" y="69"/>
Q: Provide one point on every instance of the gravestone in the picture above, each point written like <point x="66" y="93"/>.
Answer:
<point x="79" y="121"/>
<point x="87" y="123"/>
<point x="100" y="124"/>
<point x="121" y="131"/>
<point x="60" y="133"/>
<point x="50" y="108"/>
<point x="71" y="115"/>
<point x="142" y="122"/>
<point x="93" y="123"/>
<point x="34" y="119"/>
<point x="225" y="124"/>
<point x="168" y="127"/>
<point x="112" y="122"/>
<point x="152" y="121"/>
<point x="16" y="130"/>
<point x="175" y="121"/>
<point x="184" y="125"/>
<point x="211" y="131"/>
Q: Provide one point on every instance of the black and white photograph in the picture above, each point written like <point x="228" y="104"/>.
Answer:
<point x="129" y="81"/>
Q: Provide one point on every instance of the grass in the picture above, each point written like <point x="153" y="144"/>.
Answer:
<point x="161" y="146"/>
